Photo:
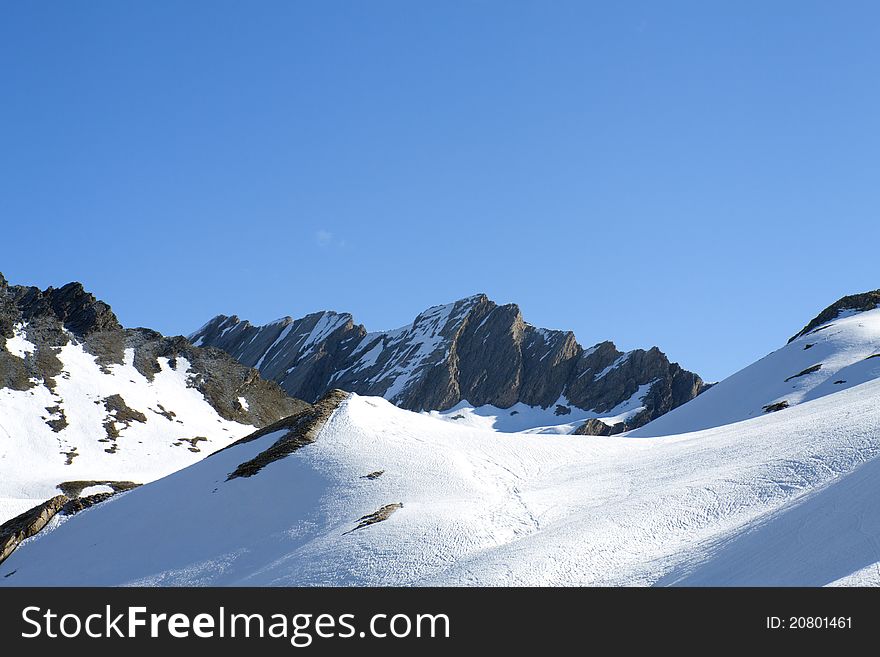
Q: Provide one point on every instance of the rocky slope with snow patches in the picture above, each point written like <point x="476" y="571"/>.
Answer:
<point x="837" y="350"/>
<point x="83" y="399"/>
<point x="376" y="495"/>
<point x="470" y="354"/>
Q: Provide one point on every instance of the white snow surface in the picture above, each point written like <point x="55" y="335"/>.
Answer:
<point x="18" y="344"/>
<point x="785" y="498"/>
<point x="521" y="418"/>
<point x="867" y="576"/>
<point x="95" y="490"/>
<point x="843" y="348"/>
<point x="32" y="463"/>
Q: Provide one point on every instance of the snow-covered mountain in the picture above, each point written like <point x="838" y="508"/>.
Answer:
<point x="838" y="349"/>
<point x="768" y="478"/>
<point x="87" y="406"/>
<point x="471" y="360"/>
<point x="360" y="492"/>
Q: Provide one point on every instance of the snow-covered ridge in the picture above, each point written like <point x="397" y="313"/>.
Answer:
<point x="785" y="498"/>
<point x="844" y="307"/>
<point x="833" y="356"/>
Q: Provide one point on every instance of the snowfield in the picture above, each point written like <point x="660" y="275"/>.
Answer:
<point x="787" y="498"/>
<point x="34" y="458"/>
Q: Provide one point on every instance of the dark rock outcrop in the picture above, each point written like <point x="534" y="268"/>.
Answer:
<point x="472" y="350"/>
<point x="809" y="370"/>
<point x="594" y="427"/>
<point x="78" y="504"/>
<point x="778" y="406"/>
<point x="380" y="515"/>
<point x="57" y="419"/>
<point x="27" y="524"/>
<point x="298" y="431"/>
<point x="119" y="413"/>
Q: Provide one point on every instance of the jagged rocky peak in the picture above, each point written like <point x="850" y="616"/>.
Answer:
<point x="854" y="303"/>
<point x="472" y="350"/>
<point x="75" y="309"/>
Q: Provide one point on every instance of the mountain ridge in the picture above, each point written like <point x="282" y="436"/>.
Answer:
<point x="472" y="349"/>
<point x="838" y="349"/>
<point x="860" y="302"/>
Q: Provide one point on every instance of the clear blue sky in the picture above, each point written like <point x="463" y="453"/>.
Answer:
<point x="704" y="176"/>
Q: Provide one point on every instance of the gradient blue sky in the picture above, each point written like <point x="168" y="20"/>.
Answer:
<point x="704" y="176"/>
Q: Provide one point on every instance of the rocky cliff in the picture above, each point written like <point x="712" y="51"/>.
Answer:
<point x="472" y="349"/>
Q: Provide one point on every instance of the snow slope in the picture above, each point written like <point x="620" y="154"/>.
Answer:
<point x="34" y="458"/>
<point x="783" y="498"/>
<point x="846" y="349"/>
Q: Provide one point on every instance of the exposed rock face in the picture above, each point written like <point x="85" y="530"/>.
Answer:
<point x="52" y="318"/>
<point x="472" y="350"/>
<point x="855" y="302"/>
<point x="809" y="370"/>
<point x="778" y="406"/>
<point x="381" y="515"/>
<point x="78" y="504"/>
<point x="300" y="354"/>
<point x="595" y="427"/>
